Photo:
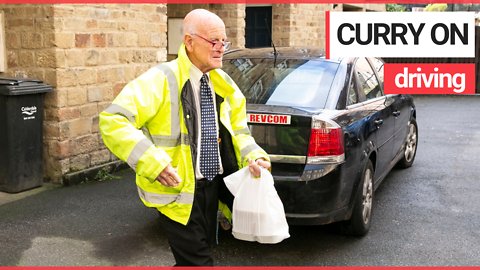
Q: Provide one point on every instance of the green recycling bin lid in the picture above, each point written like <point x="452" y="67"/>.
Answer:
<point x="21" y="86"/>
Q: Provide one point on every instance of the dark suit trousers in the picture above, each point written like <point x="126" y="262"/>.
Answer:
<point x="192" y="244"/>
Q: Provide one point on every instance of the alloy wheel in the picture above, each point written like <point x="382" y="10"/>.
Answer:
<point x="367" y="196"/>
<point x="411" y="143"/>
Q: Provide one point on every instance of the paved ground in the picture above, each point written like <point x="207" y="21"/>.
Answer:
<point x="426" y="215"/>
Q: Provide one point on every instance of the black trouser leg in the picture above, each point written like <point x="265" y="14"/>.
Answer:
<point x="191" y="244"/>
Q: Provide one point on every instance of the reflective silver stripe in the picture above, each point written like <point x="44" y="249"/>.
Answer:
<point x="242" y="131"/>
<point x="173" y="85"/>
<point x="137" y="152"/>
<point x="170" y="141"/>
<point x="162" y="199"/>
<point x="227" y="99"/>
<point x="249" y="148"/>
<point x="288" y="159"/>
<point x="117" y="109"/>
<point x="146" y="132"/>
<point x="227" y="78"/>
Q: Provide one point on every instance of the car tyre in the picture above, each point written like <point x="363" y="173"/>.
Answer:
<point x="359" y="222"/>
<point x="410" y="146"/>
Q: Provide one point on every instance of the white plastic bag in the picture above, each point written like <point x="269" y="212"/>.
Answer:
<point x="258" y="213"/>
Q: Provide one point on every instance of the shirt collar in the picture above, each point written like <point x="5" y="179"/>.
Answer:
<point x="196" y="74"/>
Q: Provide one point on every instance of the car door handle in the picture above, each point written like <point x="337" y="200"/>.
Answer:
<point x="378" y="122"/>
<point x="396" y="113"/>
<point x="352" y="137"/>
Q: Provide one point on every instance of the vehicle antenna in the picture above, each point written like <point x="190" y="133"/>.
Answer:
<point x="271" y="39"/>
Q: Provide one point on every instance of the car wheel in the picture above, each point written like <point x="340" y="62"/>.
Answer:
<point x="359" y="222"/>
<point x="410" y="146"/>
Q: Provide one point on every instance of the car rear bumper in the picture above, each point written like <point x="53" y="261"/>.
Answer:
<point x="320" y="201"/>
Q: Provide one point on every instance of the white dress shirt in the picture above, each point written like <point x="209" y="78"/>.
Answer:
<point x="195" y="76"/>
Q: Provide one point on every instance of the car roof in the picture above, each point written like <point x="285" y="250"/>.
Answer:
<point x="281" y="53"/>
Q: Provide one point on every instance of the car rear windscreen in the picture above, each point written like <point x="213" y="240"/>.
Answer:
<point x="286" y="82"/>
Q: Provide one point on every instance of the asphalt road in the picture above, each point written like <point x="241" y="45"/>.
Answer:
<point x="426" y="215"/>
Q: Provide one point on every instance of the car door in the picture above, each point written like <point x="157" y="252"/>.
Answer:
<point x="400" y="110"/>
<point x="380" y="119"/>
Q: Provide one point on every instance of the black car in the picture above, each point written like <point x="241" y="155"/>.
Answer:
<point x="331" y="133"/>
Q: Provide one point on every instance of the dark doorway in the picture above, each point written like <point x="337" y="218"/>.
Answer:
<point x="258" y="22"/>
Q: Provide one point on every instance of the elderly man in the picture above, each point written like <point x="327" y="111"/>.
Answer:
<point x="182" y="126"/>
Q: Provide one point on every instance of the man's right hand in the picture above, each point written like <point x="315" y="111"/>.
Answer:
<point x="169" y="177"/>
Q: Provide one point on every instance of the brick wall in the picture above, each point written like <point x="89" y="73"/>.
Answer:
<point x="234" y="17"/>
<point x="281" y="24"/>
<point x="88" y="53"/>
<point x="308" y="25"/>
<point x="304" y="24"/>
<point x="29" y="38"/>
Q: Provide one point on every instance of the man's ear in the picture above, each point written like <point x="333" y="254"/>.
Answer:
<point x="188" y="41"/>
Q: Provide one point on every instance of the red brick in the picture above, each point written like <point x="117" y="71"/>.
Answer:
<point x="99" y="40"/>
<point x="82" y="40"/>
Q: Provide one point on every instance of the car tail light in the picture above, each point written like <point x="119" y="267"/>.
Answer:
<point x="326" y="142"/>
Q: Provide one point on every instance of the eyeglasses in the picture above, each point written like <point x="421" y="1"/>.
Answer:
<point x="217" y="44"/>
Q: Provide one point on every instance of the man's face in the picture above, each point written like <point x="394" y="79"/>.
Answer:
<point x="201" y="50"/>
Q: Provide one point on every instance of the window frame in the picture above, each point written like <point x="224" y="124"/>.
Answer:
<point x="371" y="60"/>
<point x="352" y="87"/>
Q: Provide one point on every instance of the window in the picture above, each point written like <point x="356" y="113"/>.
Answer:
<point x="352" y="97"/>
<point x="286" y="82"/>
<point x="3" y="53"/>
<point x="367" y="79"/>
<point x="378" y="66"/>
<point x="258" y="25"/>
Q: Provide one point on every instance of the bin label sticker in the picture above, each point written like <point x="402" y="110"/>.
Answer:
<point x="29" y="112"/>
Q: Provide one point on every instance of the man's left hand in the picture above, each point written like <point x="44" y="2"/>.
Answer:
<point x="254" y="166"/>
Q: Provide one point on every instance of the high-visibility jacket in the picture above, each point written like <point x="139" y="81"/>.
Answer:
<point x="153" y="122"/>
